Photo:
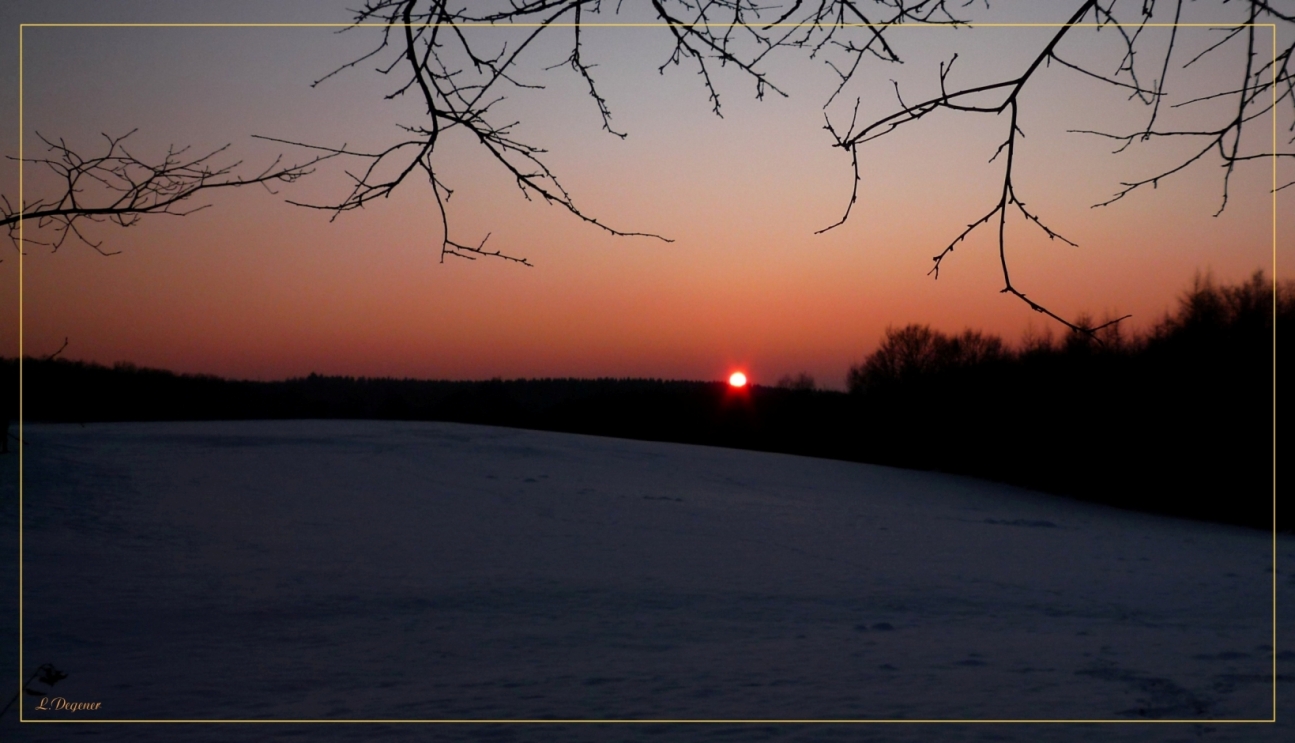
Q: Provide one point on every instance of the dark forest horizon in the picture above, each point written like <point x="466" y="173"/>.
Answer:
<point x="1178" y="420"/>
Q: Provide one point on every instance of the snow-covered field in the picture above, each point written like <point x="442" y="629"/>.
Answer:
<point x="384" y="570"/>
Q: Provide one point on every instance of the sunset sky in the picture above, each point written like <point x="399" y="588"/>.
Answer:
<point x="256" y="288"/>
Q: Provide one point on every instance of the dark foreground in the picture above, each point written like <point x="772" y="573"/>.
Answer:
<point x="1150" y="447"/>
<point x="376" y="570"/>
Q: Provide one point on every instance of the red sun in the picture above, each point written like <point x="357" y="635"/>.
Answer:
<point x="737" y="380"/>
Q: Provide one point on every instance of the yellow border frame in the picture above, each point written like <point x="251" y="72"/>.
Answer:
<point x="22" y="27"/>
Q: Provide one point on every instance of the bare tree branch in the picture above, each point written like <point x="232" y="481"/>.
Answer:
<point x="1253" y="100"/>
<point x="460" y="77"/>
<point x="120" y="188"/>
<point x="1010" y="104"/>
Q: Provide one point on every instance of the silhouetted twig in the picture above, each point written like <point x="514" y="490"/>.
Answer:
<point x="119" y="187"/>
<point x="1226" y="139"/>
<point x="459" y="77"/>
<point x="56" y="353"/>
<point x="46" y="674"/>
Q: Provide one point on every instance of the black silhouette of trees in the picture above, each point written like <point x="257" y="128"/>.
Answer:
<point x="428" y="51"/>
<point x="915" y="351"/>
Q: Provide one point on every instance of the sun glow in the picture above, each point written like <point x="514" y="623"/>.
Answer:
<point x="737" y="379"/>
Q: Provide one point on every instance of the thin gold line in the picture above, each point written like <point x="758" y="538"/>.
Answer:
<point x="1273" y="74"/>
<point x="21" y="242"/>
<point x="668" y="722"/>
<point x="567" y="24"/>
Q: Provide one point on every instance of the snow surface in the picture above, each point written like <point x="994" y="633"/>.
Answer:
<point x="392" y="570"/>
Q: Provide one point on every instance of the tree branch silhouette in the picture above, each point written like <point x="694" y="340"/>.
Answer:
<point x="459" y="78"/>
<point x="1256" y="80"/>
<point x="118" y="187"/>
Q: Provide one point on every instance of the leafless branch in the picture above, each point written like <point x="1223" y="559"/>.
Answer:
<point x="959" y="100"/>
<point x="460" y="78"/>
<point x="119" y="187"/>
<point x="1253" y="100"/>
<point x="54" y="355"/>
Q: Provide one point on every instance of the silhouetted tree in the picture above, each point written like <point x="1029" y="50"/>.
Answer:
<point x="458" y="78"/>
<point x="1177" y="419"/>
<point x="801" y="382"/>
<point x="914" y="351"/>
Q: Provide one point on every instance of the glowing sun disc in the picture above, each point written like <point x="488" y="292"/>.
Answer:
<point x="738" y="379"/>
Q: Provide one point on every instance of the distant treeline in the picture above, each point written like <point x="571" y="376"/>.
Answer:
<point x="1176" y="420"/>
<point x="660" y="410"/>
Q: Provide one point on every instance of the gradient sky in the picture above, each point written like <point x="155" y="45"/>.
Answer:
<point x="256" y="288"/>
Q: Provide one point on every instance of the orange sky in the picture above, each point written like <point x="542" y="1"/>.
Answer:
<point x="256" y="288"/>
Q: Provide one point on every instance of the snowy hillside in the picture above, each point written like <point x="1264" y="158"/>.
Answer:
<point x="384" y="570"/>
